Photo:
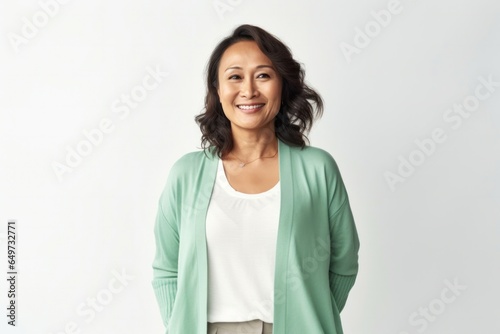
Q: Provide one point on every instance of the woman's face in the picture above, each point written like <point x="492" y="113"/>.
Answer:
<point x="249" y="87"/>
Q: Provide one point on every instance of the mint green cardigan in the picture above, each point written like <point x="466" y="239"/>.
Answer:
<point x="316" y="252"/>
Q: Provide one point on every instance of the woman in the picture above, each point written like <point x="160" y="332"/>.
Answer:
<point x="256" y="235"/>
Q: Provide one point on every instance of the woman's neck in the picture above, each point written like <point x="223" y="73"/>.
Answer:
<point x="248" y="146"/>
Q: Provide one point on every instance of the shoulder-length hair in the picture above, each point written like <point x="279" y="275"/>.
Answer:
<point x="296" y="113"/>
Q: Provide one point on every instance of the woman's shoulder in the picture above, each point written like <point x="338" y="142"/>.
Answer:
<point x="318" y="164"/>
<point x="315" y="156"/>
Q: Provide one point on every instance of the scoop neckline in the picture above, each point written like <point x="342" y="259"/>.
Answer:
<point x="227" y="186"/>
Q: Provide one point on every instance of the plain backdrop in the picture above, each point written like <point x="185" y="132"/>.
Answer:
<point x="426" y="207"/>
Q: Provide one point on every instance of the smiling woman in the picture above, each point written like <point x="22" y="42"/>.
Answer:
<point x="294" y="113"/>
<point x="249" y="87"/>
<point x="240" y="222"/>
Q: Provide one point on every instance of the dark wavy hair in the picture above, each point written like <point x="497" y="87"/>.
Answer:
<point x="296" y="113"/>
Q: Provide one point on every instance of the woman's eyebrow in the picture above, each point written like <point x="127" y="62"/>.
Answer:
<point x="239" y="68"/>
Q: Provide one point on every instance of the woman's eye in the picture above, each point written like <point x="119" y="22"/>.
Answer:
<point x="238" y="77"/>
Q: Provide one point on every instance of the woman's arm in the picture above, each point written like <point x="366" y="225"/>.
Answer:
<point x="344" y="253"/>
<point x="167" y="249"/>
<point x="343" y="237"/>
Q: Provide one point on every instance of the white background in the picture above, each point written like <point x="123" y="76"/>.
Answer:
<point x="78" y="230"/>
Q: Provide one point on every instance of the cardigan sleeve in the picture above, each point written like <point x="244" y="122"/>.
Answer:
<point x="344" y="254"/>
<point x="343" y="238"/>
<point x="167" y="249"/>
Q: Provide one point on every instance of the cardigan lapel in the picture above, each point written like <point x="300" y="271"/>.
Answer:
<point x="208" y="173"/>
<point x="284" y="235"/>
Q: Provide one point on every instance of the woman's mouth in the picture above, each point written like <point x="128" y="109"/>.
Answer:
<point x="250" y="108"/>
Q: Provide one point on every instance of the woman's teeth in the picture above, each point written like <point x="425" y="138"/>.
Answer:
<point x="250" y="107"/>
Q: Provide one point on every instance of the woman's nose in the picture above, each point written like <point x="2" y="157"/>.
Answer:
<point x="248" y="89"/>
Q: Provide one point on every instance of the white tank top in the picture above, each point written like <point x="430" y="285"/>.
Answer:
<point x="241" y="232"/>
